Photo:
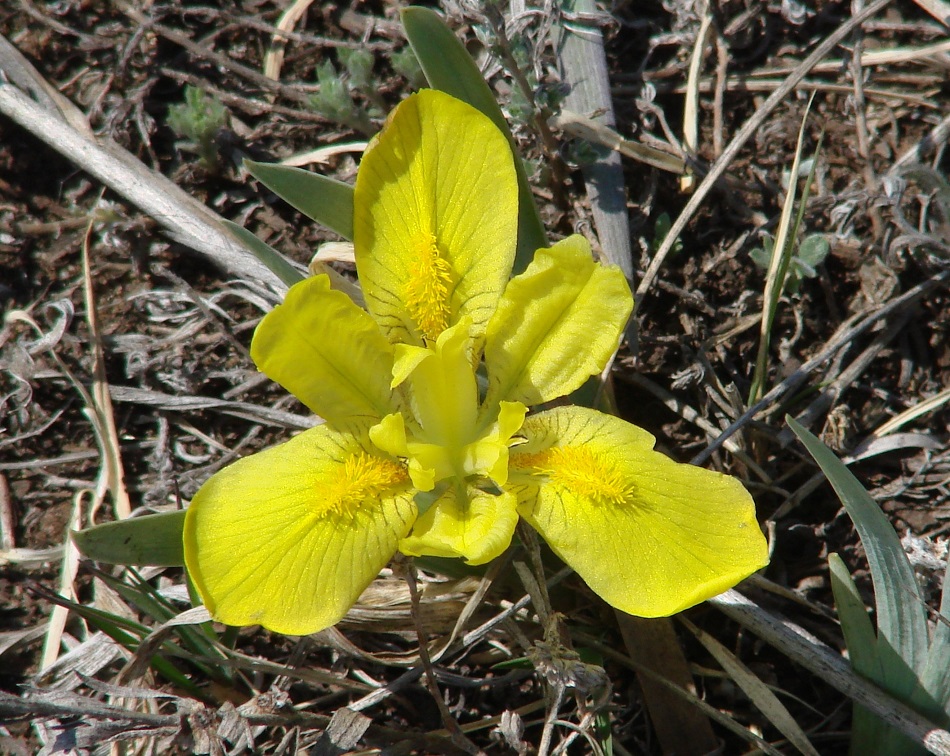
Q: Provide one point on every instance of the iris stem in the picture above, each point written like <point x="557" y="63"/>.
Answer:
<point x="408" y="569"/>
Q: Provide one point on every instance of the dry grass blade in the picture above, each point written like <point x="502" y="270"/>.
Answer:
<point x="757" y="691"/>
<point x="803" y="648"/>
<point x="185" y="219"/>
<point x="112" y="476"/>
<point x="912" y="413"/>
<point x="68" y="571"/>
<point x="324" y="154"/>
<point x="745" y="133"/>
<point x="254" y="412"/>
<point x="691" y="101"/>
<point x="883" y="58"/>
<point x="580" y="126"/>
<point x="7" y="524"/>
<point x="23" y="75"/>
<point x="274" y="58"/>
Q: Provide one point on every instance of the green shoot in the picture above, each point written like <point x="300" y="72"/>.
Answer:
<point x="780" y="262"/>
<point x="661" y="229"/>
<point x="335" y="102"/>
<point x="406" y="64"/>
<point x="803" y="264"/>
<point x="197" y="120"/>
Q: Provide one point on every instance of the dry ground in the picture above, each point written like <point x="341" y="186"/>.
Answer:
<point x="175" y="331"/>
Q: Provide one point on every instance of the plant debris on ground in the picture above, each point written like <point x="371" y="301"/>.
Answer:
<point x="125" y="377"/>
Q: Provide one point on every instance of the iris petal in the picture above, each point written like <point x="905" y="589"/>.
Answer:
<point x="650" y="536"/>
<point x="290" y="537"/>
<point x="464" y="522"/>
<point x="319" y="345"/>
<point x="435" y="219"/>
<point x="557" y="324"/>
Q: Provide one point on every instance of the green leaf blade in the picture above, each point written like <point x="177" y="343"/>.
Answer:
<point x="935" y="679"/>
<point x="327" y="201"/>
<point x="151" y="540"/>
<point x="274" y="260"/>
<point x="901" y="615"/>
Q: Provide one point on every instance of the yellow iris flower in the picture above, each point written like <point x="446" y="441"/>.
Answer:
<point x="410" y="458"/>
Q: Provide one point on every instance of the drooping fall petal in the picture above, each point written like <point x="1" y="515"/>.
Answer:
<point x="435" y="219"/>
<point x="327" y="352"/>
<point x="288" y="538"/>
<point x="557" y="324"/>
<point x="464" y="522"/>
<point x="650" y="536"/>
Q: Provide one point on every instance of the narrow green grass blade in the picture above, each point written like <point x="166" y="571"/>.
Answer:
<point x="936" y="677"/>
<point x="856" y="625"/>
<point x="448" y="67"/>
<point x="901" y="618"/>
<point x="327" y="201"/>
<point x="778" y="269"/>
<point x="127" y="634"/>
<point x="273" y="259"/>
<point x="870" y="736"/>
<point x="146" y="599"/>
<point x="139" y="595"/>
<point x="150" y="540"/>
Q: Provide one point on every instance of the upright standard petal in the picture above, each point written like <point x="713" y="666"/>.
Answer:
<point x="289" y="538"/>
<point x="650" y="536"/>
<point x="442" y="389"/>
<point x="557" y="324"/>
<point x="435" y="219"/>
<point x="464" y="522"/>
<point x="327" y="352"/>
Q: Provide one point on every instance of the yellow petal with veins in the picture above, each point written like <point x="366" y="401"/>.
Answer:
<point x="288" y="538"/>
<point x="435" y="219"/>
<point x="649" y="535"/>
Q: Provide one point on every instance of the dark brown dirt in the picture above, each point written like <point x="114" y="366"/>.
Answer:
<point x="126" y="77"/>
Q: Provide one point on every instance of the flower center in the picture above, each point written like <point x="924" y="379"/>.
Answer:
<point x="426" y="293"/>
<point x="363" y="477"/>
<point x="581" y="471"/>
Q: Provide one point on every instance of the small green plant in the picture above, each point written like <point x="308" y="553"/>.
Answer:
<point x="197" y="120"/>
<point x="339" y="86"/>
<point x="359" y="66"/>
<point x="335" y="102"/>
<point x="661" y="228"/>
<point x="804" y="261"/>
<point x="406" y="64"/>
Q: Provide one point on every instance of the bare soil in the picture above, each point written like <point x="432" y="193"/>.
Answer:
<point x="173" y="327"/>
